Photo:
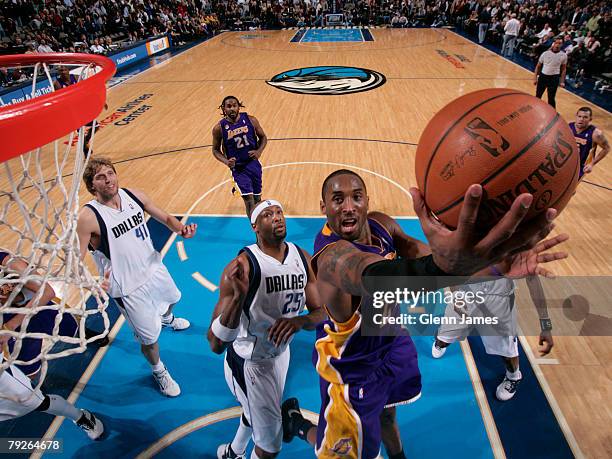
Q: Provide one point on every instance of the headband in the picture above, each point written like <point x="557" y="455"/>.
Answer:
<point x="262" y="206"/>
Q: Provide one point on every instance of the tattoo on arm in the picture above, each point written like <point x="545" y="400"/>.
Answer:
<point x="602" y="141"/>
<point x="333" y="257"/>
<point x="342" y="266"/>
<point x="350" y="280"/>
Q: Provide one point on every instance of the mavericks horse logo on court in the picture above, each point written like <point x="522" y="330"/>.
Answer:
<point x="328" y="80"/>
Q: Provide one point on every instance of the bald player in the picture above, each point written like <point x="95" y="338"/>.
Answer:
<point x="364" y="376"/>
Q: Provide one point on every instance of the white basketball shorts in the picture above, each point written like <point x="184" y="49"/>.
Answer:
<point x="499" y="339"/>
<point x="17" y="386"/>
<point x="144" y="307"/>
<point x="258" y="386"/>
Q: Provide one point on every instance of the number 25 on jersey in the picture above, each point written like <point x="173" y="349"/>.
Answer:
<point x="293" y="303"/>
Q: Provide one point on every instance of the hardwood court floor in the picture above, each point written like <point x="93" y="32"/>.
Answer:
<point x="164" y="149"/>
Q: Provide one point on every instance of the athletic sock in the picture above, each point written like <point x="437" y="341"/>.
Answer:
<point x="59" y="406"/>
<point x="242" y="437"/>
<point x="167" y="318"/>
<point x="158" y="367"/>
<point x="514" y="376"/>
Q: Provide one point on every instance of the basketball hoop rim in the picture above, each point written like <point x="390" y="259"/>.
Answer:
<point x="30" y="124"/>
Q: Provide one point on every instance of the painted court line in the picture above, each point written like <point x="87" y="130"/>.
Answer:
<point x="552" y="401"/>
<point x="546" y="361"/>
<point x="526" y="70"/>
<point x="91" y="368"/>
<point x="199" y="423"/>
<point x="298" y="163"/>
<point x="483" y="403"/>
<point x="180" y="248"/>
<point x="80" y="386"/>
<point x="205" y="282"/>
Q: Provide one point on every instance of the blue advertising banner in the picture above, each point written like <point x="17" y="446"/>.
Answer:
<point x="122" y="59"/>
<point x="25" y="93"/>
<point x="132" y="55"/>
<point x="129" y="56"/>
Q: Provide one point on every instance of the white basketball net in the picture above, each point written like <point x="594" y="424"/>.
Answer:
<point x="39" y="203"/>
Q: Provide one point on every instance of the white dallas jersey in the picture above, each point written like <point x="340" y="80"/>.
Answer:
<point x="275" y="290"/>
<point x="125" y="244"/>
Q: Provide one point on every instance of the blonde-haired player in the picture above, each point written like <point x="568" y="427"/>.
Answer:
<point x="113" y="226"/>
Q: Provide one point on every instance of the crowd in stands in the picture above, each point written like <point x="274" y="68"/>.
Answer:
<point x="585" y="29"/>
<point x="97" y="26"/>
<point x="101" y="26"/>
<point x="583" y="25"/>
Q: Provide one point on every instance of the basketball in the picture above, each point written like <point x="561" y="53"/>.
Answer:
<point x="198" y="198"/>
<point x="507" y="141"/>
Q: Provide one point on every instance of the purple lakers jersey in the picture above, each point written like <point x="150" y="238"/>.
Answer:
<point x="72" y="80"/>
<point x="342" y="354"/>
<point x="382" y="242"/>
<point x="239" y="138"/>
<point x="584" y="140"/>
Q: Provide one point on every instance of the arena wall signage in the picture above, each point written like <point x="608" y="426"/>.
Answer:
<point x="122" y="59"/>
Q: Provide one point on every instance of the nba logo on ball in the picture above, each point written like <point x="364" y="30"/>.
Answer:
<point x="488" y="137"/>
<point x="327" y="80"/>
<point x="505" y="140"/>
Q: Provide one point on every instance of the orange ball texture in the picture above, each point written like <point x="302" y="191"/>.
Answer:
<point x="507" y="141"/>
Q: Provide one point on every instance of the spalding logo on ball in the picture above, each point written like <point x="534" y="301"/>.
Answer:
<point x="509" y="142"/>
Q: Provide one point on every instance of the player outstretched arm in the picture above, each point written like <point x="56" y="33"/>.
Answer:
<point x="285" y="327"/>
<point x="458" y="252"/>
<point x="226" y="315"/>
<point x="516" y="266"/>
<point x="87" y="226"/>
<point x="173" y="224"/>
<point x="562" y="76"/>
<point x="406" y="246"/>
<point x="262" y="139"/>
